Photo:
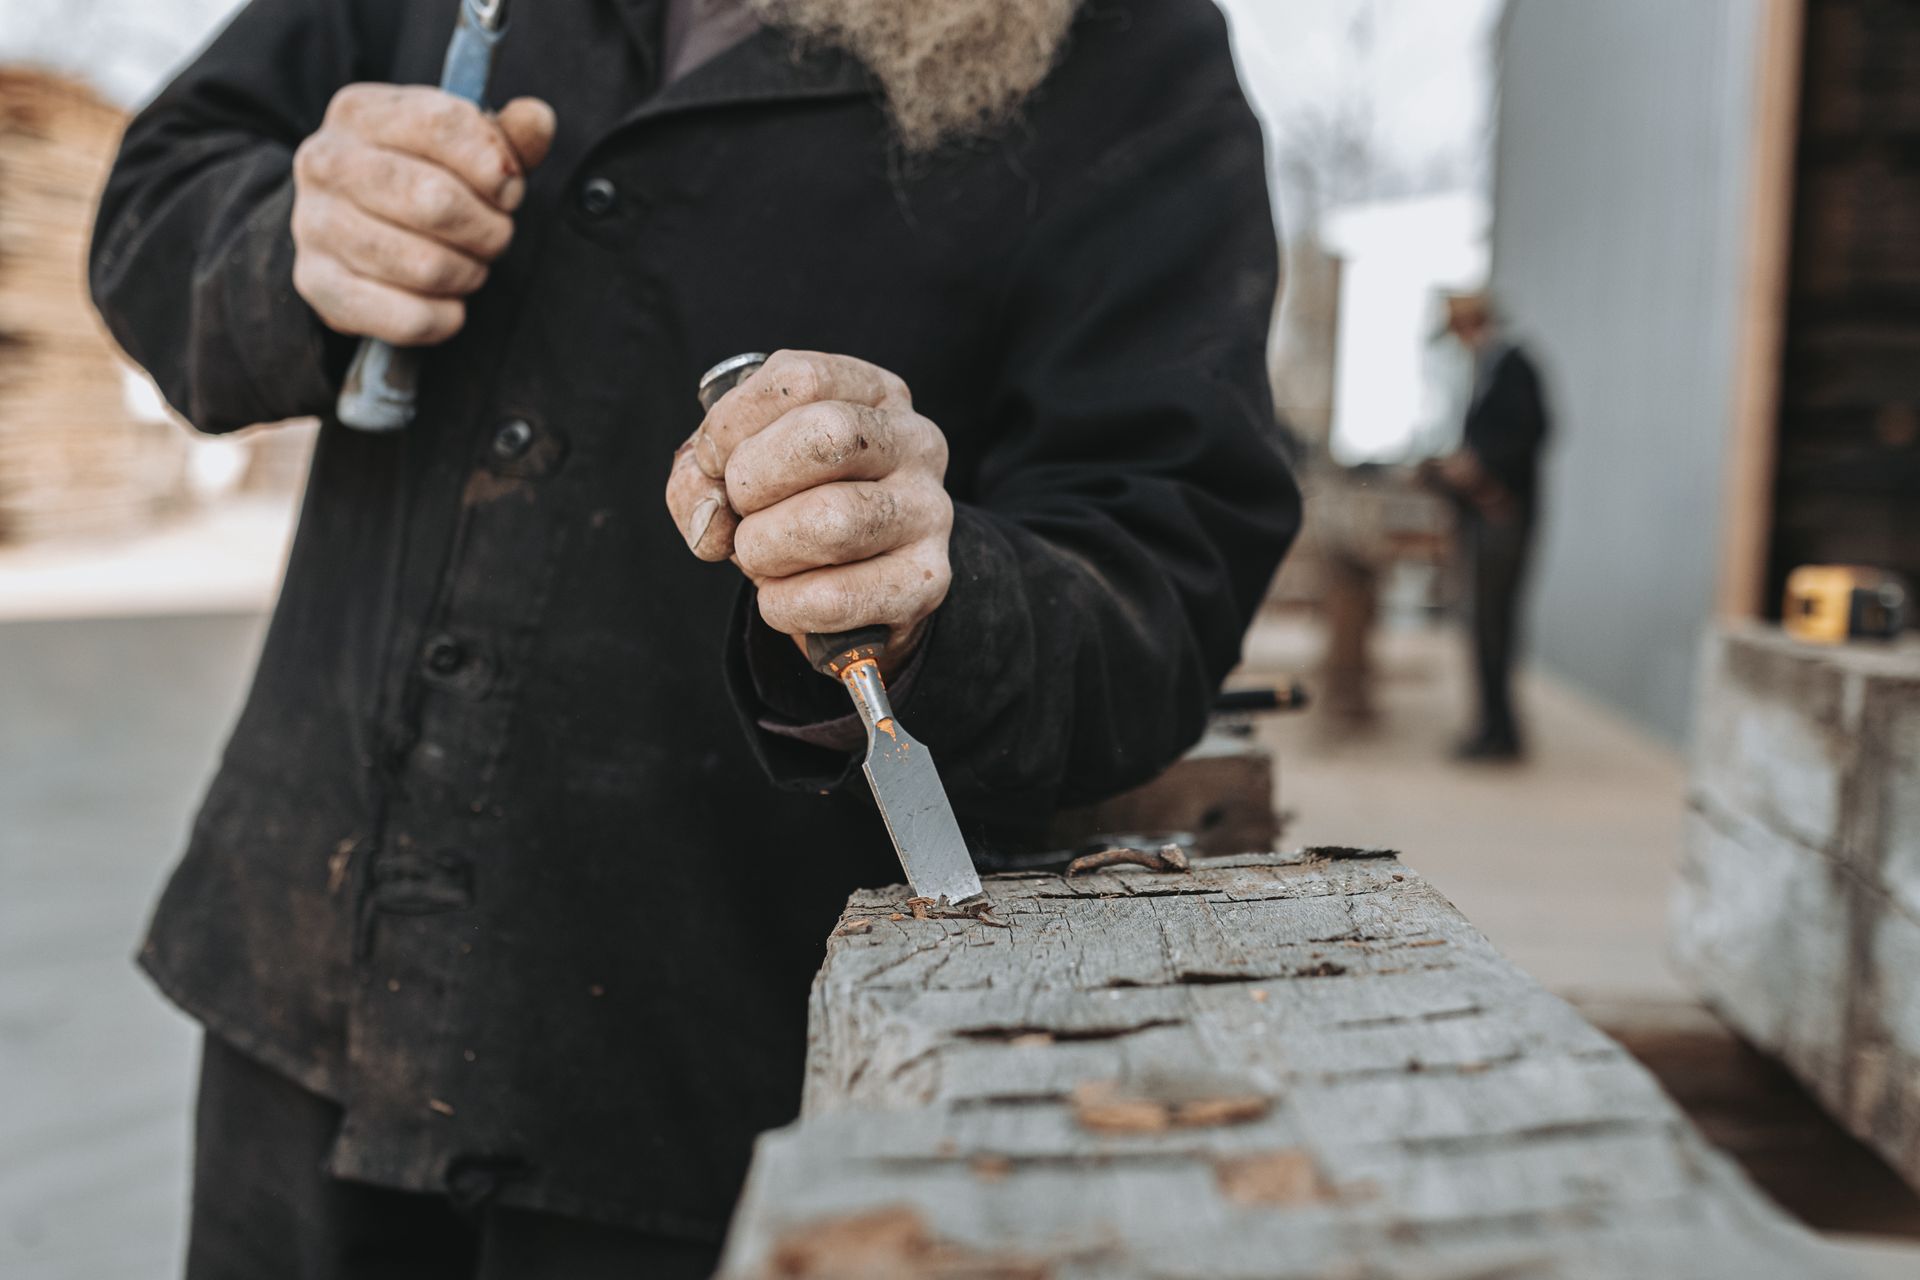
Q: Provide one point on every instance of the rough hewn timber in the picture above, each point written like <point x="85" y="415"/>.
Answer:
<point x="1798" y="916"/>
<point x="1268" y="1067"/>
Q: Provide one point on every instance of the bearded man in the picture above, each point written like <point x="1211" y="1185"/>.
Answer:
<point x="502" y="908"/>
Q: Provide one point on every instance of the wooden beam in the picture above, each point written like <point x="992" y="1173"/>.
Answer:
<point x="1798" y="911"/>
<point x="1747" y="508"/>
<point x="1269" y="1066"/>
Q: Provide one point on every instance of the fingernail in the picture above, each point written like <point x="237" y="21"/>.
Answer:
<point x="513" y="193"/>
<point x="707" y="454"/>
<point x="700" y="521"/>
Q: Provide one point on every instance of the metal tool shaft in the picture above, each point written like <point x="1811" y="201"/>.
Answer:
<point x="912" y="800"/>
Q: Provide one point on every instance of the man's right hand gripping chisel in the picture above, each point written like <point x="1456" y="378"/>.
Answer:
<point x="900" y="770"/>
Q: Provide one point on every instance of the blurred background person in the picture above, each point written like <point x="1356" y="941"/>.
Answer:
<point x="1493" y="482"/>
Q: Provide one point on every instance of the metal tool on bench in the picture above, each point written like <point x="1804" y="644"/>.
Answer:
<point x="384" y="380"/>
<point x="906" y="786"/>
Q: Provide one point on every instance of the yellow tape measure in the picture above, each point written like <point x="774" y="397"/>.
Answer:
<point x="1834" y="603"/>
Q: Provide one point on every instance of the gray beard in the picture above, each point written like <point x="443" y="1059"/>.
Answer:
<point x="949" y="69"/>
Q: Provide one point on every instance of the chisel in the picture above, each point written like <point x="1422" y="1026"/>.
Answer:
<point x="384" y="380"/>
<point x="900" y="770"/>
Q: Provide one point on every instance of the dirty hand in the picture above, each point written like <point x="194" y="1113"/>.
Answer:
<point x="817" y="478"/>
<point x="401" y="202"/>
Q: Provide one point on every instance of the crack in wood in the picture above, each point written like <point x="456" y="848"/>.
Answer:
<point x="1064" y="1035"/>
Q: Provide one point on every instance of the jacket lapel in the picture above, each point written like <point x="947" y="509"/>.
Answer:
<point x="768" y="66"/>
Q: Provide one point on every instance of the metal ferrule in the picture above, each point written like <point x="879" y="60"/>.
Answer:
<point x="869" y="694"/>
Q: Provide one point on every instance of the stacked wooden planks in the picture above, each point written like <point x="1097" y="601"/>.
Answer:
<point x="1798" y="915"/>
<point x="1270" y="1066"/>
<point x="73" y="457"/>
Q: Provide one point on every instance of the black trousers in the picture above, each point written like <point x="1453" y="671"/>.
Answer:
<point x="264" y="1209"/>
<point x="1497" y="551"/>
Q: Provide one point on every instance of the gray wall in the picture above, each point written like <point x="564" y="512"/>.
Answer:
<point x="1619" y="210"/>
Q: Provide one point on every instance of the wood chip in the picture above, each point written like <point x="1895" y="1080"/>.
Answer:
<point x="1271" y="1178"/>
<point x="890" y="1243"/>
<point x="854" y="927"/>
<point x="1168" y="857"/>
<point x="1100" y="1105"/>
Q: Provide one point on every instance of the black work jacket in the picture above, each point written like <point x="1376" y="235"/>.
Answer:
<point x="1506" y="423"/>
<point x="504" y="854"/>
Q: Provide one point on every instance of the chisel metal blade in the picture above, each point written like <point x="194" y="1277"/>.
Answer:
<point x="912" y="800"/>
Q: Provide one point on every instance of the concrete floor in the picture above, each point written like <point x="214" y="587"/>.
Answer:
<point x="1565" y="861"/>
<point x="109" y="728"/>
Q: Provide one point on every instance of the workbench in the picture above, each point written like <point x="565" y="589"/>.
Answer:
<point x="1269" y="1066"/>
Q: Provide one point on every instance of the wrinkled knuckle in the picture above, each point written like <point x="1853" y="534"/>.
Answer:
<point x="798" y="376"/>
<point x="837" y="529"/>
<point x="831" y="433"/>
<point x="776" y="608"/>
<point x="310" y="280"/>
<point x="309" y="223"/>
<point x="349" y="105"/>
<point x="447" y="118"/>
<point x="880" y="516"/>
<point x="942" y="510"/>
<point x="936" y="451"/>
<point x="433" y="202"/>
<point x="317" y="162"/>
<point x="425" y="267"/>
<point x="426" y="325"/>
<point x="838" y="604"/>
<point x="495" y="235"/>
<point x="750" y="549"/>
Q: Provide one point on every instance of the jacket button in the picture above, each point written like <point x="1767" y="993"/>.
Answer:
<point x="598" y="196"/>
<point x="512" y="440"/>
<point x="444" y="655"/>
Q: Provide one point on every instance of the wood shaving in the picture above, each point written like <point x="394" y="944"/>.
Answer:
<point x="1168" y="857"/>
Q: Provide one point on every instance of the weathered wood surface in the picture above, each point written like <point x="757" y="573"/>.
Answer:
<point x="1269" y="1067"/>
<point x="1798" y="915"/>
